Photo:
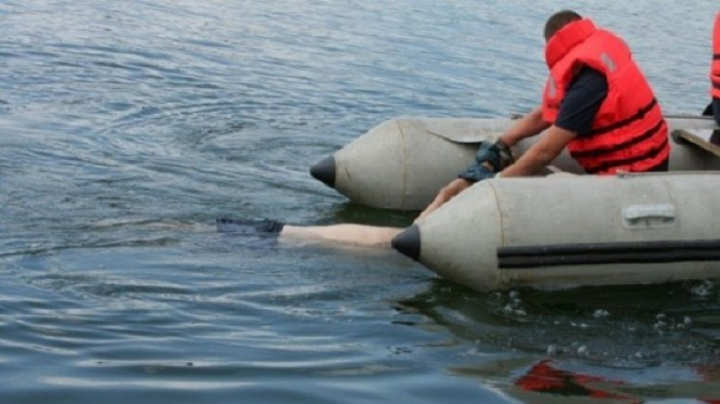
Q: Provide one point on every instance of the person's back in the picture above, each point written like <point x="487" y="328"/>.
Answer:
<point x="628" y="131"/>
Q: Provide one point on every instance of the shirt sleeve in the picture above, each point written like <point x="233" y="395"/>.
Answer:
<point x="582" y="101"/>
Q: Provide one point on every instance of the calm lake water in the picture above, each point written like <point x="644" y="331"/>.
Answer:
<point x="127" y="127"/>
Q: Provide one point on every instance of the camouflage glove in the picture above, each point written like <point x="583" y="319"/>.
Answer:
<point x="490" y="160"/>
<point x="497" y="155"/>
<point x="477" y="172"/>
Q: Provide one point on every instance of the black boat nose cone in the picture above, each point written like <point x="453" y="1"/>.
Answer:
<point x="408" y="242"/>
<point x="324" y="171"/>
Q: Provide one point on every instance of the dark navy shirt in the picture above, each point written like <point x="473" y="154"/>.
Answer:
<point x="582" y="101"/>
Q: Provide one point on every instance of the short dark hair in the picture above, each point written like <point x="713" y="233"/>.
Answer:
<point x="559" y="20"/>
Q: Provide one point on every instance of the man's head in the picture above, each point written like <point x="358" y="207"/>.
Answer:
<point x="559" y="20"/>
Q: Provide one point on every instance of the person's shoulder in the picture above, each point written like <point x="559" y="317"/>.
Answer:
<point x="587" y="71"/>
<point x="588" y="77"/>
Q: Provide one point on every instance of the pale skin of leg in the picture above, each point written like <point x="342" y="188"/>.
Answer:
<point x="344" y="233"/>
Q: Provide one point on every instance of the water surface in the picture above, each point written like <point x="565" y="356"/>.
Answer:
<point x="126" y="128"/>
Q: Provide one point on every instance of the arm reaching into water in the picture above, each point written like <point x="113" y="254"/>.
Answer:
<point x="529" y="125"/>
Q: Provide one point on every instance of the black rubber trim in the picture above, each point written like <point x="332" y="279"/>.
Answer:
<point x="409" y="242"/>
<point x="716" y="56"/>
<point x="325" y="171"/>
<point x="608" y="253"/>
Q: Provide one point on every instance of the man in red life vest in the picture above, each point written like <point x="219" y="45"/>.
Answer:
<point x="597" y="103"/>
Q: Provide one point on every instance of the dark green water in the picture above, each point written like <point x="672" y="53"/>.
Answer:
<point x="127" y="127"/>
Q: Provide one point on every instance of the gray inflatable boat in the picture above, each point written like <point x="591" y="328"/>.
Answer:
<point x="556" y="231"/>
<point x="402" y="163"/>
<point x="566" y="231"/>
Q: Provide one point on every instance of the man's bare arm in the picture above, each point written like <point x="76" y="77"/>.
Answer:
<point x="529" y="125"/>
<point x="541" y="154"/>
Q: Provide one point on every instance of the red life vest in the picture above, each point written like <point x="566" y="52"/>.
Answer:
<point x="628" y="132"/>
<point x="715" y="67"/>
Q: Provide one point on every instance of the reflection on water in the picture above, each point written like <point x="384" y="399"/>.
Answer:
<point x="648" y="342"/>
<point x="641" y="326"/>
<point x="553" y="381"/>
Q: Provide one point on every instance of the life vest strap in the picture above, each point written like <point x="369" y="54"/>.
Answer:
<point x="638" y="115"/>
<point x="623" y="145"/>
<point x="652" y="153"/>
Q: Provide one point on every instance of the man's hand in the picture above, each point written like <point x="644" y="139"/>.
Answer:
<point x="494" y="156"/>
<point x="490" y="160"/>
<point x="448" y="192"/>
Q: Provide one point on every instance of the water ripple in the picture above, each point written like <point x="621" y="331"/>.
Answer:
<point x="126" y="128"/>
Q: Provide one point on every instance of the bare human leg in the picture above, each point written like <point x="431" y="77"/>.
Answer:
<point x="344" y="233"/>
